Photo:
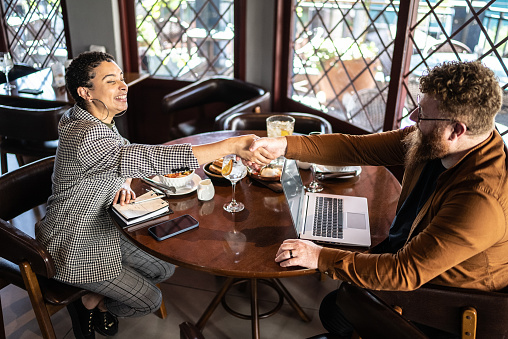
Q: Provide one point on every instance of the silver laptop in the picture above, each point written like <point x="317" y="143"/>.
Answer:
<point x="328" y="218"/>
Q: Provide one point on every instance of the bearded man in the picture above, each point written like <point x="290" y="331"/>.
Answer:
<point x="451" y="222"/>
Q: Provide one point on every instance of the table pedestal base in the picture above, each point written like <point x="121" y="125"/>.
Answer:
<point x="254" y="316"/>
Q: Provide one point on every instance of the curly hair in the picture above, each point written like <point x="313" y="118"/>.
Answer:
<point x="466" y="91"/>
<point x="81" y="71"/>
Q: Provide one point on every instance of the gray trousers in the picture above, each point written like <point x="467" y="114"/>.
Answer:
<point x="133" y="292"/>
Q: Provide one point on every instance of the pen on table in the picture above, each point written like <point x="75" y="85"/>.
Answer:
<point x="145" y="200"/>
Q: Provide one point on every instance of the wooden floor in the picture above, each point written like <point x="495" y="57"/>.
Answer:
<point x="186" y="295"/>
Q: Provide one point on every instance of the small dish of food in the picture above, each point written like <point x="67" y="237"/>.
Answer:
<point x="178" y="178"/>
<point x="266" y="173"/>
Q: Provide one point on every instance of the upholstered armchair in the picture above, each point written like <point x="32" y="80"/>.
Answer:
<point x="193" y="108"/>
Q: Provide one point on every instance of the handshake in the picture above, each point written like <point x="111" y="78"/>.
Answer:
<point x="257" y="152"/>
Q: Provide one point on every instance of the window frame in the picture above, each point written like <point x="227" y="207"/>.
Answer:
<point x="130" y="44"/>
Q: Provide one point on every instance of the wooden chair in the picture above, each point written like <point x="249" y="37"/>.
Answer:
<point x="371" y="317"/>
<point x="193" y="109"/>
<point x="28" y="128"/>
<point x="464" y="312"/>
<point x="304" y="122"/>
<point x="23" y="261"/>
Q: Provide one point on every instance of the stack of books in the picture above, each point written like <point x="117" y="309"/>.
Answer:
<point x="145" y="207"/>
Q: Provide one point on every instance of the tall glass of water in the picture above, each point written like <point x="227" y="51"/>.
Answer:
<point x="233" y="170"/>
<point x="279" y="126"/>
<point x="6" y="65"/>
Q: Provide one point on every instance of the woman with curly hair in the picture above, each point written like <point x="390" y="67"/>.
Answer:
<point x="93" y="169"/>
<point x="451" y="226"/>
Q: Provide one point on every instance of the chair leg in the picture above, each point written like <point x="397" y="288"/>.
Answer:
<point x="3" y="160"/>
<point x="2" y="327"/>
<point x="161" y="312"/>
<point x="21" y="161"/>
<point x="38" y="304"/>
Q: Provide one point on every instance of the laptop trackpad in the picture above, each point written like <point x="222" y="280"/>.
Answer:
<point x="356" y="220"/>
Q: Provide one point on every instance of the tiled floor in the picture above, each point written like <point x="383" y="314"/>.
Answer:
<point x="186" y="295"/>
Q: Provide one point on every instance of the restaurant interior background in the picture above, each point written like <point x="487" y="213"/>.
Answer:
<point x="336" y="59"/>
<point x="356" y="63"/>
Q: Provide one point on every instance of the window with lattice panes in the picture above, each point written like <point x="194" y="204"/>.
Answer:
<point x="185" y="40"/>
<point x="342" y="58"/>
<point x="35" y="32"/>
<point x="342" y="52"/>
<point x="459" y="31"/>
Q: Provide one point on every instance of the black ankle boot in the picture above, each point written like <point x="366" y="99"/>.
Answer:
<point x="82" y="318"/>
<point x="105" y="323"/>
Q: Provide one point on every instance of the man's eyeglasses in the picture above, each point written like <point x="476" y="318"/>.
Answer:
<point x="420" y="116"/>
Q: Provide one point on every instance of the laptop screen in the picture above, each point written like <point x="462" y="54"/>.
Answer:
<point x="292" y="186"/>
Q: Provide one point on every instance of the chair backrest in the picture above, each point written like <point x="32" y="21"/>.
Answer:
<point x="442" y="307"/>
<point x="30" y="120"/>
<point x="371" y="317"/>
<point x="194" y="108"/>
<point x="304" y="122"/>
<point x="209" y="90"/>
<point x="18" y="71"/>
<point x="23" y="189"/>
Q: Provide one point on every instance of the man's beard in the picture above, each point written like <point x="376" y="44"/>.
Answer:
<point x="422" y="148"/>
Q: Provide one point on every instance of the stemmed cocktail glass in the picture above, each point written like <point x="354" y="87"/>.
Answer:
<point x="233" y="170"/>
<point x="6" y="65"/>
<point x="314" y="186"/>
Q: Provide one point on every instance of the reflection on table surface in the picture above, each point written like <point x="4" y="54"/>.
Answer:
<point x="244" y="244"/>
<point x="43" y="80"/>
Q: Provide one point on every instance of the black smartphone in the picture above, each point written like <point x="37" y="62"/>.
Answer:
<point x="30" y="91"/>
<point x="169" y="228"/>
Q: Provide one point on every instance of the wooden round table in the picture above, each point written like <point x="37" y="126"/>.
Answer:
<point x="243" y="245"/>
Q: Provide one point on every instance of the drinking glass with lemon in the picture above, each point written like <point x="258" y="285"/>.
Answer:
<point x="233" y="170"/>
<point x="279" y="126"/>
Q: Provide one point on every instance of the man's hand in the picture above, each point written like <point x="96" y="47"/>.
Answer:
<point x="125" y="194"/>
<point x="274" y="146"/>
<point x="254" y="158"/>
<point x="296" y="252"/>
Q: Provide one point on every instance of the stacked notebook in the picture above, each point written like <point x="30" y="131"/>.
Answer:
<point x="145" y="207"/>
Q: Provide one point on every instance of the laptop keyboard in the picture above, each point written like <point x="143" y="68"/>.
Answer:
<point x="328" y="217"/>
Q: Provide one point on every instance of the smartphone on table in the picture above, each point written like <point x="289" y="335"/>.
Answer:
<point x="170" y="228"/>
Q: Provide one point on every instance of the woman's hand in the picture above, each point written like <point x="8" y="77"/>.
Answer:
<point x="259" y="156"/>
<point x="276" y="147"/>
<point x="296" y="252"/>
<point x="125" y="194"/>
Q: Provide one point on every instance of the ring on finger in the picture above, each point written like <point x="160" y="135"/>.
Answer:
<point x="291" y="254"/>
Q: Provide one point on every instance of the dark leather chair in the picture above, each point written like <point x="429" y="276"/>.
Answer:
<point x="463" y="312"/>
<point x="28" y="128"/>
<point x="23" y="261"/>
<point x="304" y="122"/>
<point x="193" y="109"/>
<point x="371" y="317"/>
<point x="18" y="71"/>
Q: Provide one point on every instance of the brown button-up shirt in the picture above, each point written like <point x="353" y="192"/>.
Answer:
<point x="460" y="236"/>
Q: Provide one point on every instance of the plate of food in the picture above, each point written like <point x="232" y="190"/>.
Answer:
<point x="213" y="170"/>
<point x="266" y="173"/>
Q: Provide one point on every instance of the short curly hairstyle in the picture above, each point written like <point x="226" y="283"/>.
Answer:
<point x="466" y="91"/>
<point x="81" y="71"/>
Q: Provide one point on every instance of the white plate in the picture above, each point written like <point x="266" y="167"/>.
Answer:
<point x="186" y="189"/>
<point x="338" y="169"/>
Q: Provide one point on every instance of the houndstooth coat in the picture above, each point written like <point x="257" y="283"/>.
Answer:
<point x="92" y="162"/>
